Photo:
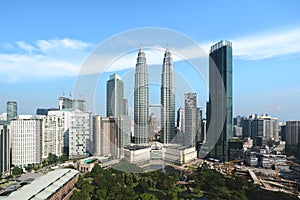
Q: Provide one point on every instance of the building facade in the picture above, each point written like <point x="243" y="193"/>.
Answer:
<point x="180" y="119"/>
<point x="114" y="96"/>
<point x="80" y="134"/>
<point x="11" y="110"/>
<point x="108" y="136"/>
<point x="190" y="119"/>
<point x="81" y="105"/>
<point x="220" y="65"/>
<point x="167" y="99"/>
<point x="141" y="99"/>
<point x="53" y="134"/>
<point x="292" y="132"/>
<point x="5" y="149"/>
<point x="176" y="153"/>
<point x="66" y="103"/>
<point x="153" y="126"/>
<point x="26" y="141"/>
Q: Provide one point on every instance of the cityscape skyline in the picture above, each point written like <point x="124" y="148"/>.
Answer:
<point x="149" y="100"/>
<point x="261" y="48"/>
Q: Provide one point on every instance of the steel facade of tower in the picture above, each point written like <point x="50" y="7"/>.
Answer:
<point x="221" y="57"/>
<point x="167" y="99"/>
<point x="114" y="96"/>
<point x="141" y="99"/>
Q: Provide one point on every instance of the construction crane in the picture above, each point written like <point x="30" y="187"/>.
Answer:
<point x="229" y="164"/>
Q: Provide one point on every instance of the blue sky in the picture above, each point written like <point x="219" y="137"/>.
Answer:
<point x="43" y="44"/>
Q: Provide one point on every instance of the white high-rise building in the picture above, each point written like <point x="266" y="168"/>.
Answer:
<point x="265" y="126"/>
<point x="52" y="134"/>
<point x="80" y="134"/>
<point x="55" y="138"/>
<point x="67" y="131"/>
<point x="270" y="127"/>
<point x="26" y="141"/>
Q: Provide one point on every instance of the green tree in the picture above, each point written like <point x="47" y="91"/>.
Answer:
<point x="17" y="170"/>
<point x="142" y="187"/>
<point x="87" y="188"/>
<point x="100" y="194"/>
<point x="96" y="170"/>
<point x="63" y="158"/>
<point x="147" y="196"/>
<point x="80" y="182"/>
<point x="52" y="158"/>
<point x="80" y="196"/>
<point x="29" y="168"/>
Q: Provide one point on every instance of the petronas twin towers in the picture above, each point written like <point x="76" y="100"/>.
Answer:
<point x="141" y="99"/>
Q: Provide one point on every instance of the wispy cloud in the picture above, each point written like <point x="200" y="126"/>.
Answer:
<point x="267" y="45"/>
<point x="23" y="61"/>
<point x="25" y="46"/>
<point x="154" y="56"/>
<point x="61" y="44"/>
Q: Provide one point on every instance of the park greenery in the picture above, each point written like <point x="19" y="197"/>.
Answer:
<point x="17" y="170"/>
<point x="52" y="159"/>
<point x="208" y="184"/>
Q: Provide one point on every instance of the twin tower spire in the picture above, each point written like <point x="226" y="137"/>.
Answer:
<point x="141" y="99"/>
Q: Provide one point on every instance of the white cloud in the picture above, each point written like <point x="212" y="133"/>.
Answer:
<point x="25" y="61"/>
<point x="61" y="44"/>
<point x="154" y="56"/>
<point x="25" y="46"/>
<point x="16" y="68"/>
<point x="267" y="45"/>
<point x="22" y="61"/>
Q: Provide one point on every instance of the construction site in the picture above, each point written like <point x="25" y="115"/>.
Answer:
<point x="284" y="177"/>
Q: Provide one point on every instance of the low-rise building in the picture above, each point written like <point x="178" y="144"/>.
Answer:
<point x="85" y="165"/>
<point x="137" y="154"/>
<point x="55" y="185"/>
<point x="270" y="160"/>
<point x="176" y="153"/>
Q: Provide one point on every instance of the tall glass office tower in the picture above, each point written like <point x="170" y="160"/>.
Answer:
<point x="167" y="99"/>
<point x="141" y="99"/>
<point x="114" y="96"/>
<point x="11" y="110"/>
<point x="221" y="58"/>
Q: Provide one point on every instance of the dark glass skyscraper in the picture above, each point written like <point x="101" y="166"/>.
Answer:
<point x="141" y="99"/>
<point x="221" y="58"/>
<point x="167" y="99"/>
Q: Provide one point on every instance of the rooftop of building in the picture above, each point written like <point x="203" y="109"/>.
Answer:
<point x="136" y="147"/>
<point x="45" y="186"/>
<point x="219" y="45"/>
<point x="114" y="76"/>
<point x="177" y="147"/>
